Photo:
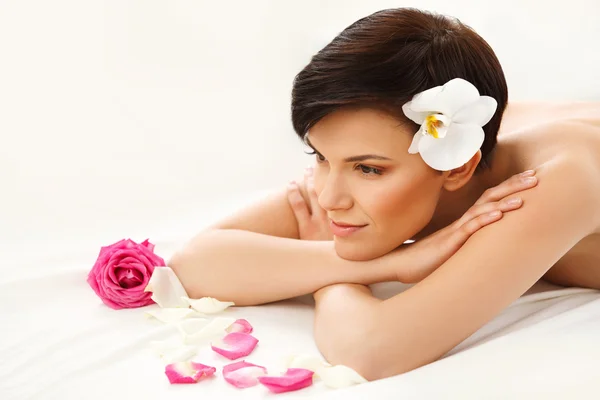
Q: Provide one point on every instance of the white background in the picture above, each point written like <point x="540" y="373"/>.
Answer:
<point x="135" y="118"/>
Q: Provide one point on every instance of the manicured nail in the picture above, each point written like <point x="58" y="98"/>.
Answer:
<point x="528" y="173"/>
<point x="514" y="201"/>
<point x="530" y="180"/>
<point x="494" y="214"/>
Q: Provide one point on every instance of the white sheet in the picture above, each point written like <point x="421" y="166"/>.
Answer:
<point x="58" y="341"/>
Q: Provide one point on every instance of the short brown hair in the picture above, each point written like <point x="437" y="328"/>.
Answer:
<point x="386" y="58"/>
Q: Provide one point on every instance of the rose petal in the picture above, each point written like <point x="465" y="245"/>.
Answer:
<point x="171" y="350"/>
<point x="241" y="325"/>
<point x="478" y="113"/>
<point x="187" y="372"/>
<point x="166" y="288"/>
<point x="235" y="345"/>
<point x="293" y="379"/>
<point x="199" y="330"/>
<point x="340" y="376"/>
<point x="208" y="305"/>
<point x="460" y="144"/>
<point x="311" y="363"/>
<point x="171" y="315"/>
<point x="243" y="374"/>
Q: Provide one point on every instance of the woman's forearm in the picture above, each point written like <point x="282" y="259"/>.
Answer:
<point x="250" y="268"/>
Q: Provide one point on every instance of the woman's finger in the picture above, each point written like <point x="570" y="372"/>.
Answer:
<point x="514" y="184"/>
<point x="475" y="224"/>
<point x="309" y="178"/>
<point x="505" y="205"/>
<point x="298" y="204"/>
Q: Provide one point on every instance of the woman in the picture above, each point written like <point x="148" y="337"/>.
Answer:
<point x="380" y="180"/>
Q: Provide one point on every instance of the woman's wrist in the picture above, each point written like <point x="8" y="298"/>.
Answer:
<point x="381" y="269"/>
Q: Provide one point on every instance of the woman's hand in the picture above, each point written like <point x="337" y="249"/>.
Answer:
<point x="313" y="223"/>
<point x="423" y="257"/>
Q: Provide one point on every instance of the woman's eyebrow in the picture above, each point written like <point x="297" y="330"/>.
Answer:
<point x="359" y="158"/>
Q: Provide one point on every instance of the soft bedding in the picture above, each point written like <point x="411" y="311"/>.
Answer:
<point x="58" y="341"/>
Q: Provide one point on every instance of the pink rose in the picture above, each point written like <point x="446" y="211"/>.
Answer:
<point x="121" y="273"/>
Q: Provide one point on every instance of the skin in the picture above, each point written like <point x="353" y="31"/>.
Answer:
<point x="555" y="235"/>
<point x="372" y="191"/>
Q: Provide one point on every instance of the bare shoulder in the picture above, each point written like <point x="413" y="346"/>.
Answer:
<point x="271" y="215"/>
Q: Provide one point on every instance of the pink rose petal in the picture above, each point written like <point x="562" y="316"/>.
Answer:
<point x="187" y="372"/>
<point x="243" y="374"/>
<point x="293" y="379"/>
<point x="236" y="345"/>
<point x="121" y="271"/>
<point x="241" y="325"/>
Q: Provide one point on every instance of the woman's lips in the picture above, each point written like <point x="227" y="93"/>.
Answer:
<point x="344" y="230"/>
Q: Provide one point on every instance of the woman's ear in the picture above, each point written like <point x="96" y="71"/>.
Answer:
<point x="458" y="177"/>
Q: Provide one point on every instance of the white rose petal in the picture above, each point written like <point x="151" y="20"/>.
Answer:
<point x="173" y="350"/>
<point x="208" y="305"/>
<point x="167" y="290"/>
<point x="171" y="315"/>
<point x="199" y="331"/>
<point x="340" y="376"/>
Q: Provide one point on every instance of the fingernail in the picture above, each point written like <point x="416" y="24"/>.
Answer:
<point x="514" y="201"/>
<point x="528" y="173"/>
<point x="530" y="180"/>
<point x="494" y="214"/>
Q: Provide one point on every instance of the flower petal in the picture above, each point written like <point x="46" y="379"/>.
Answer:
<point x="293" y="379"/>
<point x="460" y="144"/>
<point x="187" y="372"/>
<point x="340" y="376"/>
<point x="454" y="95"/>
<point x="417" y="117"/>
<point x="170" y="315"/>
<point x="421" y="101"/>
<point x="241" y="325"/>
<point x="208" y="305"/>
<point x="414" y="145"/>
<point x="312" y="363"/>
<point x="167" y="290"/>
<point x="171" y="351"/>
<point x="243" y="374"/>
<point x="478" y="113"/>
<point x="235" y="345"/>
<point x="200" y="330"/>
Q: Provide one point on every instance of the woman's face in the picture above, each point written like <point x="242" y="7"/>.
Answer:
<point x="365" y="176"/>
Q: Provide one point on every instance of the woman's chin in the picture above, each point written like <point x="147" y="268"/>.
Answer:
<point x="357" y="252"/>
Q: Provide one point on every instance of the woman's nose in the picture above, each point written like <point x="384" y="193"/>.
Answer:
<point x="334" y="194"/>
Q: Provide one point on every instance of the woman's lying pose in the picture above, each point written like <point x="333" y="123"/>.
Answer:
<point x="407" y="114"/>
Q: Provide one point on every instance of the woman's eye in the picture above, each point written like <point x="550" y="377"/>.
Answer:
<point x="370" y="170"/>
<point x="320" y="158"/>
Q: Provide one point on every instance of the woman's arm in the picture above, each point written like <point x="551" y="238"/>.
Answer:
<point x="497" y="264"/>
<point x="251" y="268"/>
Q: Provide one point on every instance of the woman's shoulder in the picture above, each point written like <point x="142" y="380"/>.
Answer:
<point x="528" y="116"/>
<point x="540" y="132"/>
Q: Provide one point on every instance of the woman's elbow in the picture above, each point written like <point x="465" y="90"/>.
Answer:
<point x="369" y="357"/>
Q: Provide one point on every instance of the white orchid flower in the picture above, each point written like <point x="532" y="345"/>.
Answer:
<point x="451" y="118"/>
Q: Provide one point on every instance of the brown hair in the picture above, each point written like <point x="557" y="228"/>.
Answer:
<point x="386" y="58"/>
